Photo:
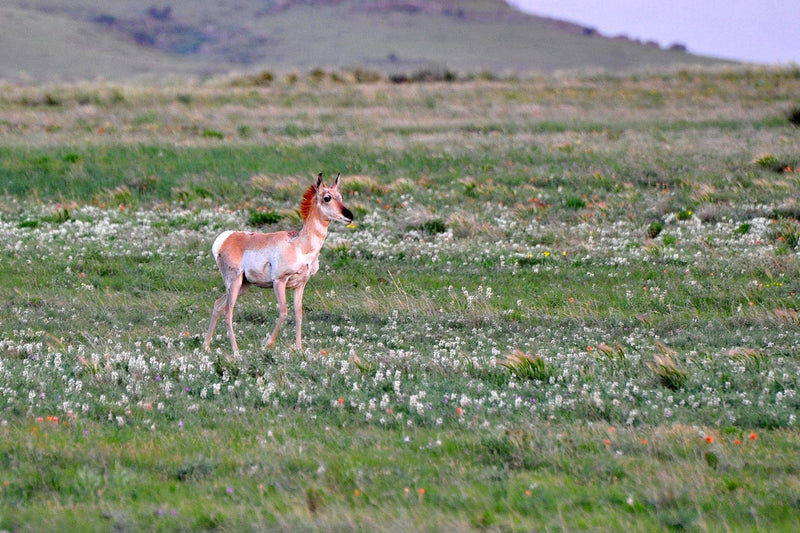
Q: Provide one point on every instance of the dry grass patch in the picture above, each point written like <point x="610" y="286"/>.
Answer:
<point x="363" y="184"/>
<point x="526" y="366"/>
<point x="280" y="187"/>
<point x="467" y="224"/>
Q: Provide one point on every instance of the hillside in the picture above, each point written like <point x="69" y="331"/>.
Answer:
<point x="85" y="39"/>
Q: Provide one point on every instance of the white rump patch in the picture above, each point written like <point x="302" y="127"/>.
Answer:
<point x="218" y="243"/>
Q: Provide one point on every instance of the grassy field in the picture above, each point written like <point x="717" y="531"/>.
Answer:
<point x="565" y="304"/>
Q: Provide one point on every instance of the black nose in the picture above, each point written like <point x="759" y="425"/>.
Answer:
<point x="347" y="214"/>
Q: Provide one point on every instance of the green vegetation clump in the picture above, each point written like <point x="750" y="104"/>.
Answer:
<point x="767" y="161"/>
<point x="28" y="223"/>
<point x="654" y="229"/>
<point x="434" y="226"/>
<point x="259" y="217"/>
<point x="59" y="217"/>
<point x="526" y="366"/>
<point x="668" y="372"/>
<point x="574" y="202"/>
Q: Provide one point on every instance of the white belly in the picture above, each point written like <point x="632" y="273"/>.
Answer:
<point x="257" y="266"/>
<point x="263" y="268"/>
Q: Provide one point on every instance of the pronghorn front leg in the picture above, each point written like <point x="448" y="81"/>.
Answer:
<point x="280" y="295"/>
<point x="298" y="314"/>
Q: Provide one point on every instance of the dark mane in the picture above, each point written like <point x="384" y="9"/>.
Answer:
<point x="308" y="199"/>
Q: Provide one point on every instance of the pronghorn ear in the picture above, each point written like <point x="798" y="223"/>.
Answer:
<point x="319" y="181"/>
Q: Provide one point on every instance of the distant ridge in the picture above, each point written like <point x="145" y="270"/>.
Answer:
<point x="44" y="40"/>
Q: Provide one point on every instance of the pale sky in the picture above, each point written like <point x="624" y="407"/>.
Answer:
<point x="763" y="31"/>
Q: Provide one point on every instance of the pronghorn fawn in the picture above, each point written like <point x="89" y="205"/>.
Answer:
<point x="281" y="260"/>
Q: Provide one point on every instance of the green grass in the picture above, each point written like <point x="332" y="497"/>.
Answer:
<point x="309" y="476"/>
<point x="528" y="327"/>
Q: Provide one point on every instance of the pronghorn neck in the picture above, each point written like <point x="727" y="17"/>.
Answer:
<point x="315" y="229"/>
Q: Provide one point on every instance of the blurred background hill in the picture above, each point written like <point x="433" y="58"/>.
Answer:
<point x="45" y="40"/>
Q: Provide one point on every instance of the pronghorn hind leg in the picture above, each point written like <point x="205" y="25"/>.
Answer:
<point x="236" y="288"/>
<point x="280" y="295"/>
<point x="219" y="307"/>
<point x="298" y="314"/>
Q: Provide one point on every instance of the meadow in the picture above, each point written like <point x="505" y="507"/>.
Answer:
<point x="565" y="303"/>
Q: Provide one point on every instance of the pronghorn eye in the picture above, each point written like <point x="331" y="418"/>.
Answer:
<point x="326" y="198"/>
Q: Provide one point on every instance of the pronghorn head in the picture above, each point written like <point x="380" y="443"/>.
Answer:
<point x="327" y="200"/>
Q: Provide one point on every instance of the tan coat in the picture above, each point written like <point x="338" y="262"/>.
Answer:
<point x="281" y="260"/>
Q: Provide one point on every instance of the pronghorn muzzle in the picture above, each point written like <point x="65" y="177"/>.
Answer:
<point x="347" y="215"/>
